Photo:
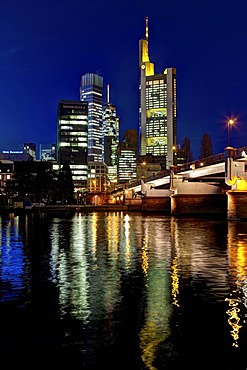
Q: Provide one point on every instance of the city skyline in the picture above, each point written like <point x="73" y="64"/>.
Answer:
<point x="45" y="49"/>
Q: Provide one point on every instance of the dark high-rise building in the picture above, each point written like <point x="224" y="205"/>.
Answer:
<point x="110" y="137"/>
<point x="157" y="117"/>
<point x="72" y="140"/>
<point x="91" y="92"/>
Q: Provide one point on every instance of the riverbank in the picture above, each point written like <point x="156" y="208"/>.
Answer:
<point x="65" y="209"/>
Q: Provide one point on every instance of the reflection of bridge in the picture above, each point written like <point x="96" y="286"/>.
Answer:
<point x="208" y="169"/>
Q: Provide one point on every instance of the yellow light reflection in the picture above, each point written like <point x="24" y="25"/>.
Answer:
<point x="94" y="234"/>
<point x="127" y="237"/>
<point x="144" y="258"/>
<point x="175" y="282"/>
<point x="237" y="255"/>
<point x="112" y="232"/>
<point x="149" y="344"/>
<point x="234" y="319"/>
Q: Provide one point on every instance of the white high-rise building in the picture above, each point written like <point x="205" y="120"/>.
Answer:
<point x="91" y="92"/>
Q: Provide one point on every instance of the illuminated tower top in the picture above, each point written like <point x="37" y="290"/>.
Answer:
<point x="144" y="61"/>
<point x="147" y="29"/>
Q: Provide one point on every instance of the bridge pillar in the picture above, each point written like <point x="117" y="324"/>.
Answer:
<point x="236" y="205"/>
<point x="204" y="204"/>
<point x="156" y="204"/>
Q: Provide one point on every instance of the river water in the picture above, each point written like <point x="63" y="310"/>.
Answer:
<point x="123" y="291"/>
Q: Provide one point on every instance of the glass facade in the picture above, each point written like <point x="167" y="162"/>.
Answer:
<point x="110" y="139"/>
<point x="72" y="140"/>
<point x="91" y="92"/>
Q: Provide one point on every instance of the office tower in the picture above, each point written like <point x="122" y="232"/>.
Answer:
<point x="91" y="92"/>
<point x="30" y="148"/>
<point x="47" y="152"/>
<point x="127" y="157"/>
<point x="97" y="177"/>
<point x="157" y="113"/>
<point x="110" y="137"/>
<point x="72" y="140"/>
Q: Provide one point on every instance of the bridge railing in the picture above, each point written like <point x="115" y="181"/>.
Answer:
<point x="207" y="161"/>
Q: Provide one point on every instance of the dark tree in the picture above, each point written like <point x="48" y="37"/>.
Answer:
<point x="187" y="150"/>
<point x="65" y="185"/>
<point x="206" y="146"/>
<point x="44" y="186"/>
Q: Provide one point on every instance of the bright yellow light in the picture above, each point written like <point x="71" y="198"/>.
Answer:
<point x="175" y="282"/>
<point x="234" y="319"/>
<point x="231" y="121"/>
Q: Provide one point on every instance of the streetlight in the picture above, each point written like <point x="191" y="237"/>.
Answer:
<point x="229" y="124"/>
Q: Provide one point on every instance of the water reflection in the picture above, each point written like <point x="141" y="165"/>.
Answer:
<point x="237" y="258"/>
<point x="155" y="327"/>
<point x="160" y="289"/>
<point x="69" y="265"/>
<point x="14" y="259"/>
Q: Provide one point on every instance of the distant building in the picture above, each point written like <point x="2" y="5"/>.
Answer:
<point x="72" y="140"/>
<point x="6" y="172"/>
<point x="110" y="137"/>
<point x="91" y="92"/>
<point x="98" y="177"/>
<point x="180" y="156"/>
<point x="158" y="111"/>
<point x="47" y="152"/>
<point x="30" y="148"/>
<point x="15" y="155"/>
<point x="149" y="165"/>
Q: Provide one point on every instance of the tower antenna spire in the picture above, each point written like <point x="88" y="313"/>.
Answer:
<point x="108" y="93"/>
<point x="147" y="29"/>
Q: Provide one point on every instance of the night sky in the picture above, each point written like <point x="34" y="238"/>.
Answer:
<point x="45" y="47"/>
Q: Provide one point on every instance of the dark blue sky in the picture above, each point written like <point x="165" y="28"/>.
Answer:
<point x="45" y="46"/>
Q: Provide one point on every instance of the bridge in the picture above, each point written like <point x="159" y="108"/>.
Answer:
<point x="219" y="168"/>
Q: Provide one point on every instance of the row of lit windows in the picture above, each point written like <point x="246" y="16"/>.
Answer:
<point x="68" y="122"/>
<point x="78" y="166"/>
<point x="64" y="136"/>
<point x="4" y="177"/>
<point x="73" y="133"/>
<point x="73" y="144"/>
<point x="157" y="82"/>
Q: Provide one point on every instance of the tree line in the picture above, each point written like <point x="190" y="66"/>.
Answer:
<point x="205" y="151"/>
<point x="41" y="185"/>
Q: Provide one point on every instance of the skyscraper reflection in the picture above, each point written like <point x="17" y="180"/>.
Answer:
<point x="119" y="287"/>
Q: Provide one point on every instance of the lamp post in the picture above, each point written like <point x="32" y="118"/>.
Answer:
<point x="229" y="124"/>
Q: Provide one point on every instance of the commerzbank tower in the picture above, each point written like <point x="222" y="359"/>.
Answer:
<point x="158" y="107"/>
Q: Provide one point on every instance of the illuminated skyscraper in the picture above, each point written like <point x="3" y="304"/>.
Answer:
<point x="127" y="157"/>
<point x="157" y="113"/>
<point x="110" y="137"/>
<point x="91" y="92"/>
<point x="72" y="140"/>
